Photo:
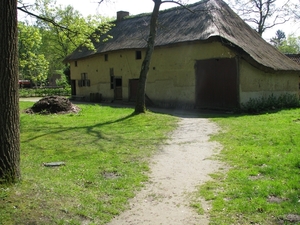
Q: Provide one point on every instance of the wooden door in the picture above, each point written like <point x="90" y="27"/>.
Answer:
<point x="217" y="83"/>
<point x="133" y="89"/>
<point x="118" y="88"/>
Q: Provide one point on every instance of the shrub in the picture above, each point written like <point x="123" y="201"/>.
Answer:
<point x="41" y="92"/>
<point x="256" y="105"/>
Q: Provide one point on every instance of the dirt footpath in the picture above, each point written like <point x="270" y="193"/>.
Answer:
<point x="182" y="163"/>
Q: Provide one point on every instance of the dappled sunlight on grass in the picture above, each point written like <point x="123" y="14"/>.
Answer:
<point x="105" y="151"/>
<point x="263" y="153"/>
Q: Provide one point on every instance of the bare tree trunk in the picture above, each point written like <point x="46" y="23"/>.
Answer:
<point x="9" y="94"/>
<point x="140" y="101"/>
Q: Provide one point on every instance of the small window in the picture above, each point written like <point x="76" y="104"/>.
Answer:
<point x="118" y="82"/>
<point x="138" y="55"/>
<point x="75" y="63"/>
<point x="84" y="82"/>
<point x="83" y="76"/>
<point x="112" y="79"/>
<point x="106" y="57"/>
<point x="111" y="71"/>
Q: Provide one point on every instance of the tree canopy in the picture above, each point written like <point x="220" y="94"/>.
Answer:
<point x="62" y="29"/>
<point x="32" y="63"/>
<point x="278" y="39"/>
<point x="286" y="45"/>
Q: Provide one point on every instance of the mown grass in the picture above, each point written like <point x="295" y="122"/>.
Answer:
<point x="105" y="151"/>
<point x="262" y="185"/>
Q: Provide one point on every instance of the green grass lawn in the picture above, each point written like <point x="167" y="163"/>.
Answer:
<point x="262" y="185"/>
<point x="106" y="152"/>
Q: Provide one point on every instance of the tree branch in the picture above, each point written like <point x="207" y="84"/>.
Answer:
<point x="99" y="2"/>
<point x="178" y="3"/>
<point x="43" y="18"/>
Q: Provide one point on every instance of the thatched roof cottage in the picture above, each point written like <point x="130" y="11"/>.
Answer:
<point x="207" y="58"/>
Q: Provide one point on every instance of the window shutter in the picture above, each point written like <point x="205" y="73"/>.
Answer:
<point x="112" y="79"/>
<point x="88" y="83"/>
<point x="79" y="83"/>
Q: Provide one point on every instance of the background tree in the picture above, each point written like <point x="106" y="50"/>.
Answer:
<point x="290" y="45"/>
<point x="278" y="39"/>
<point x="63" y="29"/>
<point x="263" y="14"/>
<point x="296" y="10"/>
<point x="32" y="63"/>
<point x="140" y="106"/>
<point x="57" y="42"/>
<point x="9" y="94"/>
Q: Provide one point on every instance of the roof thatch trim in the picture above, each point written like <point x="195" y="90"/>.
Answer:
<point x="294" y="57"/>
<point x="211" y="18"/>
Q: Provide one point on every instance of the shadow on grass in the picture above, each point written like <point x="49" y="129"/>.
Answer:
<point x="89" y="129"/>
<point x="196" y="113"/>
<point x="180" y="113"/>
<point x="207" y="113"/>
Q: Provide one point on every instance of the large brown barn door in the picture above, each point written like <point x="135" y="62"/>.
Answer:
<point x="216" y="83"/>
<point x="118" y="88"/>
<point x="133" y="88"/>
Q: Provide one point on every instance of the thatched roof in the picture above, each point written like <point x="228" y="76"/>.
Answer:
<point x="210" y="19"/>
<point x="294" y="57"/>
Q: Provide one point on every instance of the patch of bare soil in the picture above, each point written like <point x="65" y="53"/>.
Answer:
<point x="182" y="164"/>
<point x="290" y="219"/>
<point x="53" y="104"/>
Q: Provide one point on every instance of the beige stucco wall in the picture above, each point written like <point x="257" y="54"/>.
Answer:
<point x="98" y="72"/>
<point x="171" y="78"/>
<point x="255" y="83"/>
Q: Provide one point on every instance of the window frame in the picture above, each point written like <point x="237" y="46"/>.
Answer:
<point x="112" y="78"/>
<point x="84" y="81"/>
<point x="138" y="55"/>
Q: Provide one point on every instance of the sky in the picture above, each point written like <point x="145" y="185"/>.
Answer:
<point x="108" y="8"/>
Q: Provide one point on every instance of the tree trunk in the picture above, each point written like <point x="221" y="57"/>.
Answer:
<point x="9" y="94"/>
<point x="140" y="101"/>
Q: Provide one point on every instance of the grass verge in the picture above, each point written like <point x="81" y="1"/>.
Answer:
<point x="262" y="185"/>
<point x="106" y="153"/>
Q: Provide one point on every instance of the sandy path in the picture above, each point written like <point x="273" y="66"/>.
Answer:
<point x="181" y="164"/>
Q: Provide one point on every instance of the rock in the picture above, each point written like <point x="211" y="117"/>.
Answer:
<point x="54" y="164"/>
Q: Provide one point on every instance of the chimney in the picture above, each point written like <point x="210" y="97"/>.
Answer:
<point x="121" y="15"/>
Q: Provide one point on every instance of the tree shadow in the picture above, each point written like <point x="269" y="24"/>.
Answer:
<point x="196" y="113"/>
<point x="89" y="129"/>
<point x="209" y="113"/>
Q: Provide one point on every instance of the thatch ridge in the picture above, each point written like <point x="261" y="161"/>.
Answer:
<point x="210" y="18"/>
